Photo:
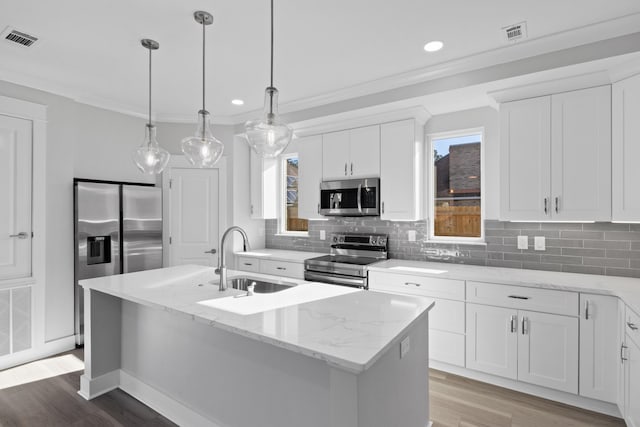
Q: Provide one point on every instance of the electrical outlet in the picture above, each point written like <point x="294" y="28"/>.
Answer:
<point x="411" y="235"/>
<point x="405" y="346"/>
<point x="323" y="235"/>
<point x="539" y="243"/>
<point x="523" y="242"/>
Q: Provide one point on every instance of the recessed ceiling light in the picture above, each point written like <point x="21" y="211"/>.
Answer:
<point x="237" y="102"/>
<point x="433" y="46"/>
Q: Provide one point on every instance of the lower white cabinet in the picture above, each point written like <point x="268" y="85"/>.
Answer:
<point x="537" y="348"/>
<point x="599" y="347"/>
<point x="267" y="266"/>
<point x="632" y="374"/>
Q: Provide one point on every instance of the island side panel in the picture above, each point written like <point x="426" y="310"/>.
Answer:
<point x="102" y="343"/>
<point x="395" y="391"/>
<point x="224" y="377"/>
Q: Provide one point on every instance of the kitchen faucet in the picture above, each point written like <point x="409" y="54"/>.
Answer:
<point x="222" y="267"/>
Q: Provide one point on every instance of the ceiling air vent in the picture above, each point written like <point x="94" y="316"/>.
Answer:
<point x="515" y="32"/>
<point x="18" y="37"/>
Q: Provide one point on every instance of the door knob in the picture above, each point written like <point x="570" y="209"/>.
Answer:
<point x="212" y="251"/>
<point x="20" y="235"/>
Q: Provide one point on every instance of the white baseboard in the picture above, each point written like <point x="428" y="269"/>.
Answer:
<point x="92" y="388"/>
<point x="545" y="393"/>
<point x="41" y="351"/>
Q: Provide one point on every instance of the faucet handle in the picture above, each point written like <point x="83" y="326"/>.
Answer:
<point x="250" y="288"/>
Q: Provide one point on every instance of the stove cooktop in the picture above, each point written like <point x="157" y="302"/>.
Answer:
<point x="344" y="259"/>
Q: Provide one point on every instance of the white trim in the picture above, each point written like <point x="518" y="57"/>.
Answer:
<point x="180" y="161"/>
<point x="430" y="178"/>
<point x="92" y="388"/>
<point x="48" y="349"/>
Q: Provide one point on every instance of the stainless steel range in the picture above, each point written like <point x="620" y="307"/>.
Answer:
<point x="347" y="263"/>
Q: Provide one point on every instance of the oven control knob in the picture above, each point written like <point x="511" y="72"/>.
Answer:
<point x="335" y="239"/>
<point x="341" y="239"/>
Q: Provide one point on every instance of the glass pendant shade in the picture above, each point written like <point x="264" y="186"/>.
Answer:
<point x="150" y="158"/>
<point x="268" y="137"/>
<point x="203" y="149"/>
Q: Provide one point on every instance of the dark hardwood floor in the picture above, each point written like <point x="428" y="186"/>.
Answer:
<point x="455" y="402"/>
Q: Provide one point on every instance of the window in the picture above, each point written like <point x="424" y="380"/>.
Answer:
<point x="290" y="222"/>
<point x="456" y="200"/>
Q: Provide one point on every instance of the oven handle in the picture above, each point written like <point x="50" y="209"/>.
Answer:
<point x="315" y="277"/>
<point x="360" y="198"/>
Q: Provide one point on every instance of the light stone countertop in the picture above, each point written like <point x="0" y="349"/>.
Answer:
<point x="627" y="289"/>
<point x="280" y="255"/>
<point x="346" y="327"/>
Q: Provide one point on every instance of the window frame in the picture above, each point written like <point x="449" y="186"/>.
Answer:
<point x="431" y="179"/>
<point x="282" y="196"/>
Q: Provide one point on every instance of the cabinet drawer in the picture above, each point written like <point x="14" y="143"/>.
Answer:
<point x="447" y="315"/>
<point x="632" y="325"/>
<point x="417" y="285"/>
<point x="446" y="347"/>
<point x="520" y="297"/>
<point x="248" y="264"/>
<point x="282" y="268"/>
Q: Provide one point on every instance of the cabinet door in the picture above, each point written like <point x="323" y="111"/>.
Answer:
<point x="263" y="186"/>
<point x="622" y="345"/>
<point x="633" y="384"/>
<point x="626" y="150"/>
<point x="400" y="188"/>
<point x="525" y="128"/>
<point x="335" y="155"/>
<point x="599" y="347"/>
<point x="364" y="152"/>
<point x="492" y="340"/>
<point x="581" y="155"/>
<point x="548" y="350"/>
<point x="309" y="176"/>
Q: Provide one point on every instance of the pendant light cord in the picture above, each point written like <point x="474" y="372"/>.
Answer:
<point x="149" y="87"/>
<point x="271" y="81"/>
<point x="203" y="64"/>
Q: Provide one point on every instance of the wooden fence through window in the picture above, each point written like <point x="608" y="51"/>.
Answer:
<point x="459" y="221"/>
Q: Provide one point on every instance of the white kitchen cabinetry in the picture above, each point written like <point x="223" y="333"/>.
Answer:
<point x="632" y="374"/>
<point x="621" y="366"/>
<point x="556" y="157"/>
<point x="446" y="319"/>
<point x="272" y="267"/>
<point x="353" y="153"/>
<point x="599" y="347"/>
<point x="263" y="186"/>
<point x="401" y="171"/>
<point x="626" y="150"/>
<point x="309" y="176"/>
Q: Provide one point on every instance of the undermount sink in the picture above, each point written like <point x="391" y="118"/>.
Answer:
<point x="261" y="286"/>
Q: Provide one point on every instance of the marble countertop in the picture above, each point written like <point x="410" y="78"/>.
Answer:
<point x="627" y="289"/>
<point x="348" y="328"/>
<point x="280" y="255"/>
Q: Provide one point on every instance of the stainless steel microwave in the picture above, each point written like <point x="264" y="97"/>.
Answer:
<point x="352" y="197"/>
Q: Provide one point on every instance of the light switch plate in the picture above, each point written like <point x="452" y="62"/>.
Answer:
<point x="405" y="346"/>
<point x="523" y="242"/>
<point x="539" y="243"/>
<point x="323" y="235"/>
<point x="411" y="235"/>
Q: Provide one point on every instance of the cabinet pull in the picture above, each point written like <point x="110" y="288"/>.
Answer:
<point x="247" y="263"/>
<point x="251" y="209"/>
<point x="518" y="297"/>
<point x="281" y="268"/>
<point x="212" y="251"/>
<point x="412" y="283"/>
<point x="318" y="207"/>
<point x="586" y="310"/>
<point x="514" y="323"/>
<point x="351" y="168"/>
<point x="525" y="330"/>
<point x="557" y="204"/>
<point x="345" y="169"/>
<point x="546" y="207"/>
<point x="622" y="349"/>
<point x="632" y="326"/>
<point x="382" y="207"/>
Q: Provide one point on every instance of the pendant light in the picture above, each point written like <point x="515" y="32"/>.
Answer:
<point x="269" y="136"/>
<point x="150" y="158"/>
<point x="203" y="149"/>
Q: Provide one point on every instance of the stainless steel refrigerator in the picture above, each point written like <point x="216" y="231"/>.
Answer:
<point x="118" y="229"/>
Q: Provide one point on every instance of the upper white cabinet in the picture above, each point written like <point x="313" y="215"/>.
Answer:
<point x="309" y="176"/>
<point x="556" y="157"/>
<point x="599" y="349"/>
<point x="401" y="171"/>
<point x="353" y="153"/>
<point x="626" y="150"/>
<point x="263" y="186"/>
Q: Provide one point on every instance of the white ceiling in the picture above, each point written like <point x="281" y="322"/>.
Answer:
<point x="90" y="50"/>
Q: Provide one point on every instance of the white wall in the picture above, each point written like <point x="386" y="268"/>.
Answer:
<point x="487" y="118"/>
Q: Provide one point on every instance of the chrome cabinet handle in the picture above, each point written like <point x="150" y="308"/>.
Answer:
<point x="351" y="168"/>
<point x="622" y="349"/>
<point x="345" y="169"/>
<point x="546" y="207"/>
<point x="557" y="204"/>
<point x="281" y="268"/>
<point x="524" y="326"/>
<point x="20" y="235"/>
<point x="251" y="209"/>
<point x="382" y="207"/>
<point x="412" y="283"/>
<point x="632" y="326"/>
<point x="247" y="263"/>
<point x="318" y="207"/>
<point x="518" y="297"/>
<point x="514" y="323"/>
<point x="586" y="310"/>
<point x="212" y="251"/>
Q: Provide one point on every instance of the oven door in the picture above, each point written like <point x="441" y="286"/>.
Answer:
<point x="336" y="279"/>
<point x="354" y="197"/>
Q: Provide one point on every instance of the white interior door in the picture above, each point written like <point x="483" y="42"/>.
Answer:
<point x="194" y="216"/>
<point x="15" y="193"/>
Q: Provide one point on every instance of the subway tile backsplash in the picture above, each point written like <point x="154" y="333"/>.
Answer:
<point x="595" y="248"/>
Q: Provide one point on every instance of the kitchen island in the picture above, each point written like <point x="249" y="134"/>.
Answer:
<point x="311" y="355"/>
